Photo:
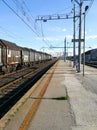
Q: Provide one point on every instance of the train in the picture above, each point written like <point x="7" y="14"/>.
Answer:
<point x="14" y="57"/>
<point x="91" y="57"/>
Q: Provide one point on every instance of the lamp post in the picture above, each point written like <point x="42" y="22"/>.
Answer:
<point x="86" y="8"/>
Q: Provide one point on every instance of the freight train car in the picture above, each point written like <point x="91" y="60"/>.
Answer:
<point x="25" y="56"/>
<point x="13" y="57"/>
<point x="32" y="56"/>
<point x="10" y="56"/>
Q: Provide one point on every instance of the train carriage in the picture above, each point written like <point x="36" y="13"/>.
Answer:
<point x="47" y="56"/>
<point x="10" y="55"/>
<point x="25" y="56"/>
<point x="32" y="56"/>
<point x="44" y="56"/>
<point x="41" y="56"/>
<point x="37" y="57"/>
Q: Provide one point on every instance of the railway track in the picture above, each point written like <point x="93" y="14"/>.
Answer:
<point x="18" y="86"/>
<point x="11" y="77"/>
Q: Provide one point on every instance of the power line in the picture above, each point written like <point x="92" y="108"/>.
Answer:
<point x="22" y="6"/>
<point x="19" y="16"/>
<point x="22" y="19"/>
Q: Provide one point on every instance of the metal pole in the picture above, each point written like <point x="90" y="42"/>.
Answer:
<point x="79" y="48"/>
<point x="86" y="8"/>
<point x="84" y="47"/>
<point x="74" y="40"/>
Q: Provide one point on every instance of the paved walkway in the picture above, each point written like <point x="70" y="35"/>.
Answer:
<point x="54" y="114"/>
<point x="83" y="112"/>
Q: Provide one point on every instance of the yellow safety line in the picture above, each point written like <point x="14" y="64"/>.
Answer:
<point x="36" y="103"/>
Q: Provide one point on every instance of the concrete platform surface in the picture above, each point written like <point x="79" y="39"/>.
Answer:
<point x="54" y="113"/>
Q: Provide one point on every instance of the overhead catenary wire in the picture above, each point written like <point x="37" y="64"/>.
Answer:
<point x="21" y="19"/>
<point x="43" y="36"/>
<point x="53" y="17"/>
<point x="31" y="18"/>
<point x="26" y="13"/>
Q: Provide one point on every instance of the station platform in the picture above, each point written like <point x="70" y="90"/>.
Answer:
<point x="66" y="104"/>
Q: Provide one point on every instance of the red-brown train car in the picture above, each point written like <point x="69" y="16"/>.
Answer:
<point x="9" y="56"/>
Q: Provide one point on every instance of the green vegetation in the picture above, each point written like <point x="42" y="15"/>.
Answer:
<point x="61" y="98"/>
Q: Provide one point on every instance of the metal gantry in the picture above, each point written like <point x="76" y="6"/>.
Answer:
<point x="79" y="40"/>
<point x="45" y="18"/>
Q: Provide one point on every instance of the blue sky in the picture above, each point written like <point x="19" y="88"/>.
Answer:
<point x="43" y="35"/>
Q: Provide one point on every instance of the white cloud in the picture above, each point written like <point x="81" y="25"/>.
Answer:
<point x="91" y="37"/>
<point x="56" y="38"/>
<point x="49" y="38"/>
<point x="57" y="29"/>
<point x="69" y="36"/>
<point x="64" y="29"/>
